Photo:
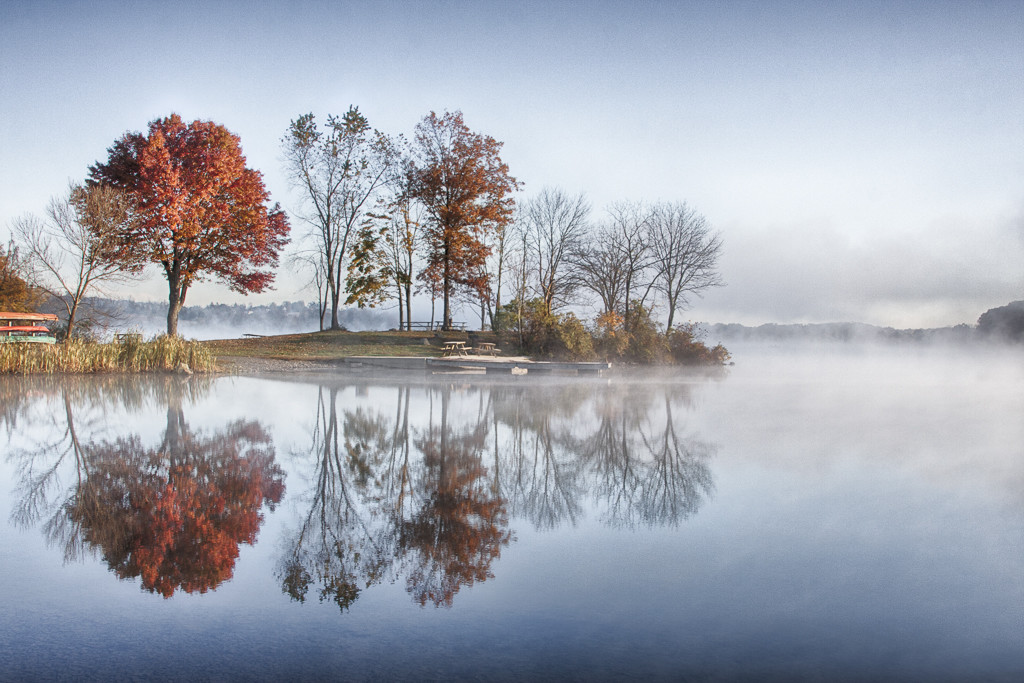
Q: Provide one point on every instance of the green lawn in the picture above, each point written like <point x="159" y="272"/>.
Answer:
<point x="328" y="345"/>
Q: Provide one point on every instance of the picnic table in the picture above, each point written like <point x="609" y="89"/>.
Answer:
<point x="454" y="348"/>
<point x="486" y="349"/>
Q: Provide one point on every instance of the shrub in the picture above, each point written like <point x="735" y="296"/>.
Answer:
<point x="686" y="347"/>
<point x="610" y="338"/>
<point x="531" y="329"/>
<point x="647" y="344"/>
<point x="574" y="340"/>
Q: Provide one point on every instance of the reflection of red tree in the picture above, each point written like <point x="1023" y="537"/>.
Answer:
<point x="460" y="528"/>
<point x="457" y="535"/>
<point x="175" y="517"/>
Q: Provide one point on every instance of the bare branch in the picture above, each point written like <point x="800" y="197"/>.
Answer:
<point x="555" y="225"/>
<point x="71" y="251"/>
<point x="686" y="252"/>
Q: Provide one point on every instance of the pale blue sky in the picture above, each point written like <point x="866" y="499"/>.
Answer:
<point x="863" y="161"/>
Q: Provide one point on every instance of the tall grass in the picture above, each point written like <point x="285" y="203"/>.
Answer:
<point x="130" y="354"/>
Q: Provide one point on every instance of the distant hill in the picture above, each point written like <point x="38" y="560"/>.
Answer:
<point x="834" y="332"/>
<point x="1005" y="322"/>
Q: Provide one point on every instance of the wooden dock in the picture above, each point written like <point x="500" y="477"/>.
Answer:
<point x="488" y="365"/>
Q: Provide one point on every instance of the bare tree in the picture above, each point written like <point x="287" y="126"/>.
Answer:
<point x="630" y="236"/>
<point x="340" y="171"/>
<point x="500" y="263"/>
<point x="685" y="251"/>
<point x="555" y="224"/>
<point x="513" y="251"/>
<point x="74" y="248"/>
<point x="616" y="263"/>
<point x="312" y="260"/>
<point x="401" y="239"/>
<point x="600" y="268"/>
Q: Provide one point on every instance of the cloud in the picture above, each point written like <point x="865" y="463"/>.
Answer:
<point x="945" y="274"/>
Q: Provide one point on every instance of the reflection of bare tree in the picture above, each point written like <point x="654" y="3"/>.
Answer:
<point x="377" y="510"/>
<point x="339" y="546"/>
<point x="432" y="504"/>
<point x="542" y="478"/>
<point x="677" y="476"/>
<point x="14" y="389"/>
<point x="613" y="462"/>
<point x="173" y="515"/>
<point x="609" y="454"/>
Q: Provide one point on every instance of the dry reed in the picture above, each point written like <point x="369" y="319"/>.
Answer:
<point x="130" y="354"/>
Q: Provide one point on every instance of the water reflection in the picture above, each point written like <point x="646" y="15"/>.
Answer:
<point x="392" y="500"/>
<point x="414" y="484"/>
<point x="172" y="514"/>
<point x="627" y="453"/>
<point x="428" y="500"/>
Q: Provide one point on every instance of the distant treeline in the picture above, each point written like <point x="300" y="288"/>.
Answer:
<point x="104" y="316"/>
<point x="1005" y="323"/>
<point x="836" y="332"/>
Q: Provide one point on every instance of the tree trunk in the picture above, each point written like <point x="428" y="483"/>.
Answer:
<point x="334" y="284"/>
<point x="447" y="320"/>
<point x="335" y="325"/>
<point x="175" y="299"/>
<point x="173" y="308"/>
<point x="408" y="303"/>
<point x="433" y="305"/>
<point x="672" y="300"/>
<point x="321" y="302"/>
<point x="625" y="307"/>
<point x="72" y="310"/>
<point x="401" y="310"/>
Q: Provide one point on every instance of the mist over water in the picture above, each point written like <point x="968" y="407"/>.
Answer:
<point x="822" y="511"/>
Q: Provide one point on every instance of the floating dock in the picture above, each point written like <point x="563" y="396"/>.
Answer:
<point x="488" y="365"/>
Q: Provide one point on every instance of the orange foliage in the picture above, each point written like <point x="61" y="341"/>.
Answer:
<point x="199" y="209"/>
<point x="466" y="188"/>
<point x="178" y="524"/>
<point x="16" y="294"/>
<point x="609" y="323"/>
<point x="460" y="528"/>
<point x="457" y="534"/>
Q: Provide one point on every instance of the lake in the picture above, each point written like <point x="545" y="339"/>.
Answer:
<point x="830" y="512"/>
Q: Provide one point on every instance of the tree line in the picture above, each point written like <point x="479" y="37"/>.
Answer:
<point x="380" y="218"/>
<point x="436" y="215"/>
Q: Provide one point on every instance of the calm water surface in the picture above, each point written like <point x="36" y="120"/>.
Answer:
<point x="817" y="514"/>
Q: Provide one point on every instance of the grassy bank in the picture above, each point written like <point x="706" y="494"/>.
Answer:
<point x="331" y="345"/>
<point x="130" y="355"/>
<point x="168" y="354"/>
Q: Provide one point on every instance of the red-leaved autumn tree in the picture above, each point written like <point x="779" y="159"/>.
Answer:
<point x="200" y="210"/>
<point x="467" y="191"/>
